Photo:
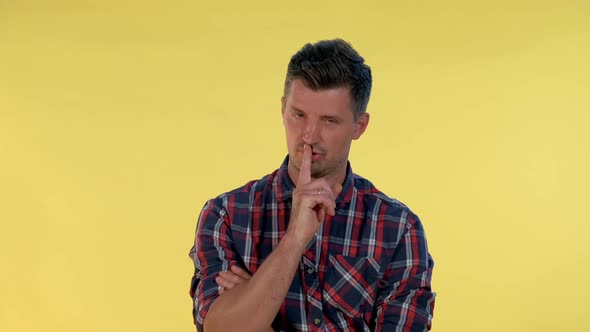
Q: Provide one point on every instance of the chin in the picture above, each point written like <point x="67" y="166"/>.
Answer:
<point x="318" y="172"/>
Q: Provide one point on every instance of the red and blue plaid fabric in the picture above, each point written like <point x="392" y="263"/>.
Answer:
<point x="368" y="268"/>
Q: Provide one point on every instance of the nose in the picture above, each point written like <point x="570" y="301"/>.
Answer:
<point x="311" y="133"/>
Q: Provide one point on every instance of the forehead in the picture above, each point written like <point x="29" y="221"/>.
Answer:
<point x="325" y="101"/>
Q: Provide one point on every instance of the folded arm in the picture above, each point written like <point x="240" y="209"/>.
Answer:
<point x="253" y="304"/>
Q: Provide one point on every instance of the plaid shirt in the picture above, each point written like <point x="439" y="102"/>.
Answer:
<point x="368" y="268"/>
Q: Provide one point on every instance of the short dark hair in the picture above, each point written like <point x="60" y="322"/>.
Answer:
<point x="331" y="64"/>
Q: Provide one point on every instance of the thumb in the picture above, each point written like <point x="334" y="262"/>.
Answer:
<point x="336" y="189"/>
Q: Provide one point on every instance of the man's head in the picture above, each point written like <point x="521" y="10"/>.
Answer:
<point x="326" y="94"/>
<point x="331" y="64"/>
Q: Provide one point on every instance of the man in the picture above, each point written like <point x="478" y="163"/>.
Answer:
<point x="313" y="246"/>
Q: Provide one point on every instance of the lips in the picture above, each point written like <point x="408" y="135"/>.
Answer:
<point x="316" y="153"/>
<point x="316" y="156"/>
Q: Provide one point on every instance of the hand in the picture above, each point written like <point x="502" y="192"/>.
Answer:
<point x="227" y="280"/>
<point x="312" y="200"/>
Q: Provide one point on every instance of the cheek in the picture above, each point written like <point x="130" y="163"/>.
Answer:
<point x="339" y="141"/>
<point x="291" y="133"/>
<point x="339" y="137"/>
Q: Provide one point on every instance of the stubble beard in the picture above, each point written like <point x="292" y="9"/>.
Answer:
<point x="319" y="169"/>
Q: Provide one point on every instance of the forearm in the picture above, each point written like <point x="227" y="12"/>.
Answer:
<point x="253" y="305"/>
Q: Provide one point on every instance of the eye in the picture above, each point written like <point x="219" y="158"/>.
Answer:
<point x="297" y="115"/>
<point x="331" y="120"/>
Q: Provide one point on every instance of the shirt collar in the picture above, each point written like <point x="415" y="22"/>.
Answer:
<point x="284" y="186"/>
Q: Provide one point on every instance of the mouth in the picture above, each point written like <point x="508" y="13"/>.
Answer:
<point x="315" y="155"/>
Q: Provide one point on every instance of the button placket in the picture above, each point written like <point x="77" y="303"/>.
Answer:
<point x="310" y="261"/>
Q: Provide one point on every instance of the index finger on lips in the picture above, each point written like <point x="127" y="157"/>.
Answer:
<point x="305" y="170"/>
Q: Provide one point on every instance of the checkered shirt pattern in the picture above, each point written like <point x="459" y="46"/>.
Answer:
<point x="367" y="269"/>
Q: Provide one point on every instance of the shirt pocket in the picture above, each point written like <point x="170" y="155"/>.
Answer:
<point x="351" y="283"/>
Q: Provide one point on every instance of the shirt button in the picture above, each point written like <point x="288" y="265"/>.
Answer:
<point x="317" y="321"/>
<point x="310" y="270"/>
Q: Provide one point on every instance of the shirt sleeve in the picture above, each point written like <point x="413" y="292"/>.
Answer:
<point x="211" y="254"/>
<point x="406" y="301"/>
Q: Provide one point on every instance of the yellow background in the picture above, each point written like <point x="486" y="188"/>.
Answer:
<point x="118" y="119"/>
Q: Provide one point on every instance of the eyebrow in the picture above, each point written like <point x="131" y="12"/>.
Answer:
<point x="296" y="109"/>
<point x="293" y="108"/>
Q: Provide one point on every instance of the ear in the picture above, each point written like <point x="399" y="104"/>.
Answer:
<point x="361" y="125"/>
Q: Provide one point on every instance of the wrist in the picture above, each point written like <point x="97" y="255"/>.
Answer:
<point x="294" y="242"/>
